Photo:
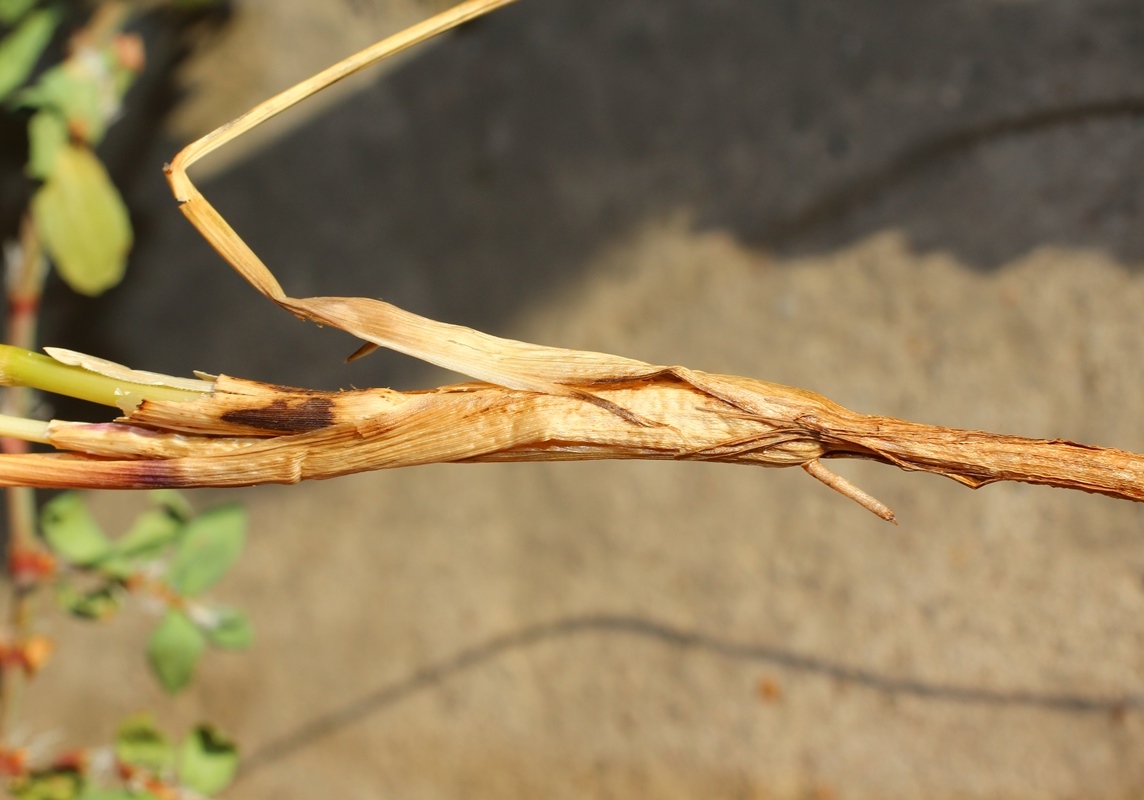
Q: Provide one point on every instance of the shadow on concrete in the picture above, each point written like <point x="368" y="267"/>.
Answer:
<point x="484" y="174"/>
<point x="434" y="675"/>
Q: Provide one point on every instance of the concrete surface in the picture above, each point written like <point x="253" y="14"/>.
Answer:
<point x="927" y="210"/>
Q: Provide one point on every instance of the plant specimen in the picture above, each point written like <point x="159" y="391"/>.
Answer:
<point x="530" y="403"/>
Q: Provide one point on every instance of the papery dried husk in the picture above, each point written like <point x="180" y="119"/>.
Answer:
<point x="246" y="433"/>
<point x="533" y="403"/>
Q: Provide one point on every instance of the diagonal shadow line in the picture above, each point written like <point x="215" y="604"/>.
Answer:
<point x="428" y="677"/>
<point x="862" y="189"/>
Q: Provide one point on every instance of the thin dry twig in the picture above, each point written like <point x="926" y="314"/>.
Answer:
<point x="532" y="403"/>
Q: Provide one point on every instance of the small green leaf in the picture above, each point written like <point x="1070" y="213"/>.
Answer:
<point x="12" y="10"/>
<point x="47" y="136"/>
<point x="21" y="49"/>
<point x="231" y="630"/>
<point x="115" y="794"/>
<point x="174" y="649"/>
<point x="208" y="761"/>
<point x="139" y="743"/>
<point x="96" y="604"/>
<point x="115" y="568"/>
<point x="50" y="785"/>
<point x="71" y="532"/>
<point x="174" y="502"/>
<point x="73" y="90"/>
<point x="209" y="545"/>
<point x="83" y="222"/>
<point x="152" y="533"/>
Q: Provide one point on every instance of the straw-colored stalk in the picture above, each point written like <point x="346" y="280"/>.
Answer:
<point x="532" y="403"/>
<point x="231" y="432"/>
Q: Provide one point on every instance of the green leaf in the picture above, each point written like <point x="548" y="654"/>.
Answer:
<point x="115" y="568"/>
<point x="52" y="785"/>
<point x="231" y="630"/>
<point x="21" y="49"/>
<point x="209" y="545"/>
<point x="76" y="93"/>
<point x="175" y="503"/>
<point x="12" y="10"/>
<point x="174" y="649"/>
<point x="71" y="532"/>
<point x="96" y="604"/>
<point x="140" y="743"/>
<point x="47" y="136"/>
<point x="152" y="533"/>
<point x="115" y="794"/>
<point x="83" y="222"/>
<point x="208" y="761"/>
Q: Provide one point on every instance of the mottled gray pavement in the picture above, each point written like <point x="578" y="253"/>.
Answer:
<point x="931" y="210"/>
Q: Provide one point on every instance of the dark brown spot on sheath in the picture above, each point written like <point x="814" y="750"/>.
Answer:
<point x="155" y="475"/>
<point x="283" y="416"/>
